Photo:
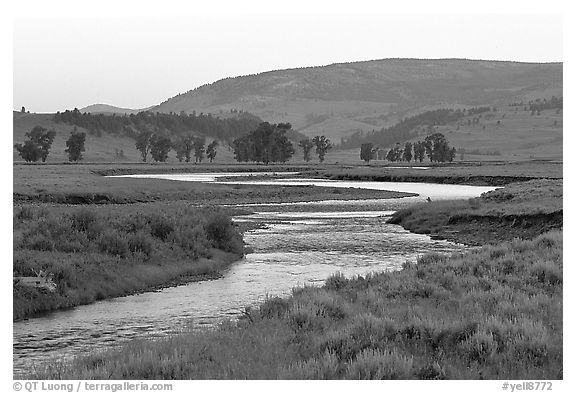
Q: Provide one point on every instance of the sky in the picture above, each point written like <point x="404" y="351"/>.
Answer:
<point x="136" y="62"/>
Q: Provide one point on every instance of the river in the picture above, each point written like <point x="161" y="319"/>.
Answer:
<point x="300" y="244"/>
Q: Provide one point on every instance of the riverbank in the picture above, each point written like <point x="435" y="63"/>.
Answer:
<point x="90" y="253"/>
<point x="520" y="210"/>
<point x="85" y="184"/>
<point x="491" y="313"/>
<point x="478" y="174"/>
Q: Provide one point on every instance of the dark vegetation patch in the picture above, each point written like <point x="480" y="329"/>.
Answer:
<point x="491" y="313"/>
<point x="93" y="254"/>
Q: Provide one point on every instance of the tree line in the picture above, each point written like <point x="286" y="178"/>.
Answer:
<point x="40" y="139"/>
<point x="174" y="124"/>
<point x="270" y="143"/>
<point x="404" y="129"/>
<point x="158" y="146"/>
<point x="540" y="104"/>
<point x="435" y="147"/>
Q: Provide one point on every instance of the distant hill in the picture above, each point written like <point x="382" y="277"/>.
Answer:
<point x="340" y="99"/>
<point x="109" y="109"/>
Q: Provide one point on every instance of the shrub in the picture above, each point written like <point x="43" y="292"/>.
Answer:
<point x="39" y="242"/>
<point x="306" y="316"/>
<point x="160" y="226"/>
<point x="324" y="367"/>
<point x="480" y="346"/>
<point x="431" y="258"/>
<point x="83" y="219"/>
<point x="192" y="240"/>
<point x="546" y="272"/>
<point x="375" y="364"/>
<point x="139" y="242"/>
<point x="113" y="244"/>
<point x="134" y="223"/>
<point x="274" y="307"/>
<point x="25" y="213"/>
<point x="336" y="281"/>
<point x="221" y="233"/>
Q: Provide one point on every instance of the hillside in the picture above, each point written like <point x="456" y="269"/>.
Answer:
<point x="109" y="109"/>
<point x="340" y="99"/>
<point x="101" y="148"/>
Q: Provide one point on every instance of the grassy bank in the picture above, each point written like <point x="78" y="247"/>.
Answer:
<point x="94" y="253"/>
<point x="491" y="313"/>
<point x="472" y="173"/>
<point x="85" y="184"/>
<point x="520" y="210"/>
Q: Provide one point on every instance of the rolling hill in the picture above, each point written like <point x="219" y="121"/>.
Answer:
<point x="109" y="109"/>
<point x="340" y="99"/>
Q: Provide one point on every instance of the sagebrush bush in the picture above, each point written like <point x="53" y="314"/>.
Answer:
<point x="25" y="213"/>
<point x="546" y="272"/>
<point x="377" y="364"/>
<point x="221" y="232"/>
<point x="140" y="242"/>
<point x="114" y="244"/>
<point x="336" y="281"/>
<point x="431" y="258"/>
<point x="323" y="367"/>
<point x="83" y="219"/>
<point x="161" y="226"/>
<point x="274" y="307"/>
<point x="40" y="242"/>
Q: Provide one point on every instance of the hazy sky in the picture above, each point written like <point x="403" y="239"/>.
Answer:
<point x="138" y="62"/>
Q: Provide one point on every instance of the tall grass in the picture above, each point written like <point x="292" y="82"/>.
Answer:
<point x="491" y="313"/>
<point x="93" y="255"/>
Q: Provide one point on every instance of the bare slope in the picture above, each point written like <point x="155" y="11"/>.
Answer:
<point x="370" y="90"/>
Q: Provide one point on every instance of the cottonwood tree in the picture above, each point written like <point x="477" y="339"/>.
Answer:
<point x="323" y="144"/>
<point x="419" y="151"/>
<point x="184" y="148"/>
<point x="199" y="149"/>
<point x="367" y="152"/>
<point x="267" y="143"/>
<point x="437" y="148"/>
<point x="38" y="144"/>
<point x="144" y="143"/>
<point x="407" y="154"/>
<point x="211" y="150"/>
<point x="306" y="145"/>
<point x="75" y="145"/>
<point x="395" y="154"/>
<point x="159" y="147"/>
